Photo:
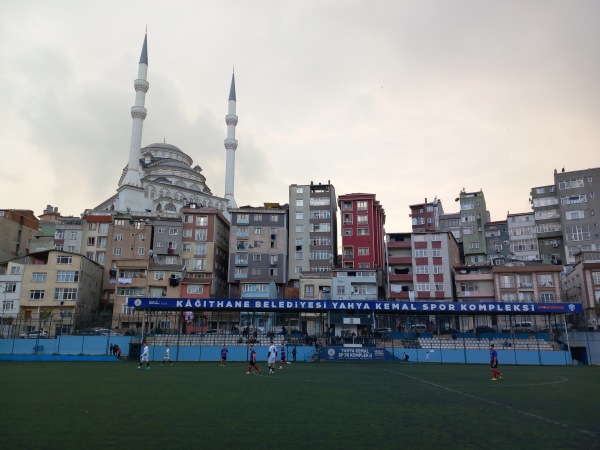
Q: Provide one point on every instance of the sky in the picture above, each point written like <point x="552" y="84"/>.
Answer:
<point x="403" y="99"/>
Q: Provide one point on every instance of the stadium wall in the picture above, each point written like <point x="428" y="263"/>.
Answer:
<point x="96" y="348"/>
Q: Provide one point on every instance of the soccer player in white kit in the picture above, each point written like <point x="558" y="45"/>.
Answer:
<point x="167" y="356"/>
<point x="271" y="357"/>
<point x="144" y="357"/>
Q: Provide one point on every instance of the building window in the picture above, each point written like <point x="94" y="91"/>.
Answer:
<point x="273" y="271"/>
<point x="361" y="205"/>
<point x="546" y="280"/>
<point x="257" y="230"/>
<point x="299" y="215"/>
<point x="422" y="270"/>
<point x="36" y="294"/>
<point x="131" y="291"/>
<point x="362" y="219"/>
<point x="64" y="259"/>
<point x="341" y="290"/>
<point x="362" y="231"/>
<point x="173" y="231"/>
<point x="91" y="226"/>
<point x="100" y="257"/>
<point x="423" y="287"/>
<point x="256" y="272"/>
<point x="195" y="289"/>
<point x="117" y="251"/>
<point x="140" y="251"/>
<point x="202" y="221"/>
<point x="65" y="294"/>
<point x="38" y="277"/>
<point x="8" y="305"/>
<point x="274" y="218"/>
<point x="309" y="291"/>
<point x="421" y="253"/>
<point x="159" y="275"/>
<point x="508" y="297"/>
<point x="547" y="297"/>
<point x="67" y="276"/>
<point x="298" y="255"/>
<point x="363" y="251"/>
<point x="118" y="237"/>
<point x="299" y="203"/>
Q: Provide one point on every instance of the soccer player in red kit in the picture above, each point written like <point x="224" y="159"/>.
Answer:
<point x="494" y="363"/>
<point x="252" y="361"/>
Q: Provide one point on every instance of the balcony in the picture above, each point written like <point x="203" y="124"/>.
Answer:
<point x="476" y="295"/>
<point x="401" y="277"/>
<point x="399" y="260"/>
<point x="404" y="295"/>
<point x="399" y="244"/>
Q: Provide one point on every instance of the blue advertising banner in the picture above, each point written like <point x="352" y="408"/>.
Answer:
<point x="348" y="305"/>
<point x="355" y="354"/>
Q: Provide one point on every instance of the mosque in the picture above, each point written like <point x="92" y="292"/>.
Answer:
<point x="160" y="177"/>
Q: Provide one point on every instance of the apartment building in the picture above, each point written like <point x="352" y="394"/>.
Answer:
<point x="17" y="227"/>
<point x="473" y="217"/>
<point x="258" y="243"/>
<point x="497" y="241"/>
<point x="426" y="216"/>
<point x="522" y="234"/>
<point x="204" y="252"/>
<point x="581" y="284"/>
<point x="313" y="233"/>
<point x="579" y="207"/>
<point x="544" y="203"/>
<point x="421" y="266"/>
<point x="363" y="233"/>
<point x="57" y="287"/>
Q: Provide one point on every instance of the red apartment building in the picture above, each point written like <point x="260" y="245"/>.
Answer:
<point x="363" y="234"/>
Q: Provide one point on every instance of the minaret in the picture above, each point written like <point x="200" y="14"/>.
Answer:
<point x="131" y="192"/>
<point x="230" y="145"/>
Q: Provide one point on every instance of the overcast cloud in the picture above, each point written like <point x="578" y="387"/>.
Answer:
<point x="403" y="99"/>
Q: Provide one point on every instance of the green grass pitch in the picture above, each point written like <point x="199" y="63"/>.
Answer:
<point x="305" y="406"/>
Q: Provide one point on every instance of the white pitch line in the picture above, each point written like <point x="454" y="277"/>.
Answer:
<point x="474" y="397"/>
<point x="562" y="380"/>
